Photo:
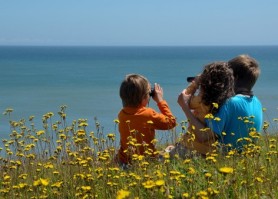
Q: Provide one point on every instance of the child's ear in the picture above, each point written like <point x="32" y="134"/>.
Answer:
<point x="145" y="100"/>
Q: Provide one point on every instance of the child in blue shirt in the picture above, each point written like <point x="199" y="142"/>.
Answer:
<point x="241" y="114"/>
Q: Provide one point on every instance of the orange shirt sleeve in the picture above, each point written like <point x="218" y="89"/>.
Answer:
<point x="164" y="120"/>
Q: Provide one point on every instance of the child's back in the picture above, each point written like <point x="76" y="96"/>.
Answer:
<point x="137" y="121"/>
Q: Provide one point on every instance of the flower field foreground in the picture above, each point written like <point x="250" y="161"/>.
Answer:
<point x="66" y="161"/>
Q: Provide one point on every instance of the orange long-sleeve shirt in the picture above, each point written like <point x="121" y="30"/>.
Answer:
<point x="140" y="123"/>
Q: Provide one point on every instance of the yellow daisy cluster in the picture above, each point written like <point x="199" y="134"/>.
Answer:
<point x="67" y="160"/>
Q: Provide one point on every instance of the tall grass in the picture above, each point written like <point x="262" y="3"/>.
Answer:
<point x="66" y="161"/>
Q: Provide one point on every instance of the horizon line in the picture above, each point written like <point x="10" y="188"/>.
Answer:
<point x="224" y="45"/>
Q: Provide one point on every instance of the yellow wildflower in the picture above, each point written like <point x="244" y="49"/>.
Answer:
<point x="83" y="124"/>
<point x="154" y="141"/>
<point x="226" y="170"/>
<point x="41" y="181"/>
<point x="185" y="195"/>
<point x="111" y="135"/>
<point x="208" y="175"/>
<point x="202" y="194"/>
<point x="148" y="184"/>
<point x="86" y="188"/>
<point x="191" y="170"/>
<point x="217" y="119"/>
<point x="160" y="182"/>
<point x="22" y="185"/>
<point x="37" y="183"/>
<point x="48" y="165"/>
<point x="23" y="176"/>
<point x="40" y="132"/>
<point x="7" y="177"/>
<point x="258" y="179"/>
<point x="246" y="121"/>
<point x="141" y="157"/>
<point x="215" y="105"/>
<point x="133" y="131"/>
<point x="186" y="161"/>
<point x="149" y="122"/>
<point x="121" y="194"/>
<point x="44" y="182"/>
<point x="209" y="116"/>
<point x="81" y="133"/>
<point x="57" y="184"/>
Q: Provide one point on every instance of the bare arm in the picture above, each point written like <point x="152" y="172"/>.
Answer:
<point x="192" y="87"/>
<point x="200" y="135"/>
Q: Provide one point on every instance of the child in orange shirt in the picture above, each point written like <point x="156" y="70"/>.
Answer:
<point x="137" y="121"/>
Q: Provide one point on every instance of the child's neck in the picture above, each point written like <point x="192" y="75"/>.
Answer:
<point x="244" y="91"/>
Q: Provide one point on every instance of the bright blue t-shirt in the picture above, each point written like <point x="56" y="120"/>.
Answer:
<point x="238" y="116"/>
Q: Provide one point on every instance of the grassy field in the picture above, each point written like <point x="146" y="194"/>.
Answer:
<point x="66" y="161"/>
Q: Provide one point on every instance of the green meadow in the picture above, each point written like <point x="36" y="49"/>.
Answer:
<point x="65" y="160"/>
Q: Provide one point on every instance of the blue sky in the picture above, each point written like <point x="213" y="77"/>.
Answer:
<point x="141" y="22"/>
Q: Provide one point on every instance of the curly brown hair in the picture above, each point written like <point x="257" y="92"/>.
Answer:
<point x="216" y="84"/>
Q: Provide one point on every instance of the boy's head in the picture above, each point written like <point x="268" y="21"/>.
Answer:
<point x="134" y="89"/>
<point x="216" y="83"/>
<point x="246" y="72"/>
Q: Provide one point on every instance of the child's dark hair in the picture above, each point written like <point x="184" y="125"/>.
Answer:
<point x="133" y="90"/>
<point x="217" y="84"/>
<point x="246" y="72"/>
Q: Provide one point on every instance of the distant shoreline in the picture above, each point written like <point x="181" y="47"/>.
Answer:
<point x="138" y="46"/>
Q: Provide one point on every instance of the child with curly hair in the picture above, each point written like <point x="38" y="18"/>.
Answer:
<point x="216" y="85"/>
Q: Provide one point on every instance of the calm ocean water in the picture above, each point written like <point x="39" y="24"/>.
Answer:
<point x="37" y="80"/>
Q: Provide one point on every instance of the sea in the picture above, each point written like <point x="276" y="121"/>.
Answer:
<point x="35" y="80"/>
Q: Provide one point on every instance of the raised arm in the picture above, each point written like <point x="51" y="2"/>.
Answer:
<point x="202" y="136"/>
